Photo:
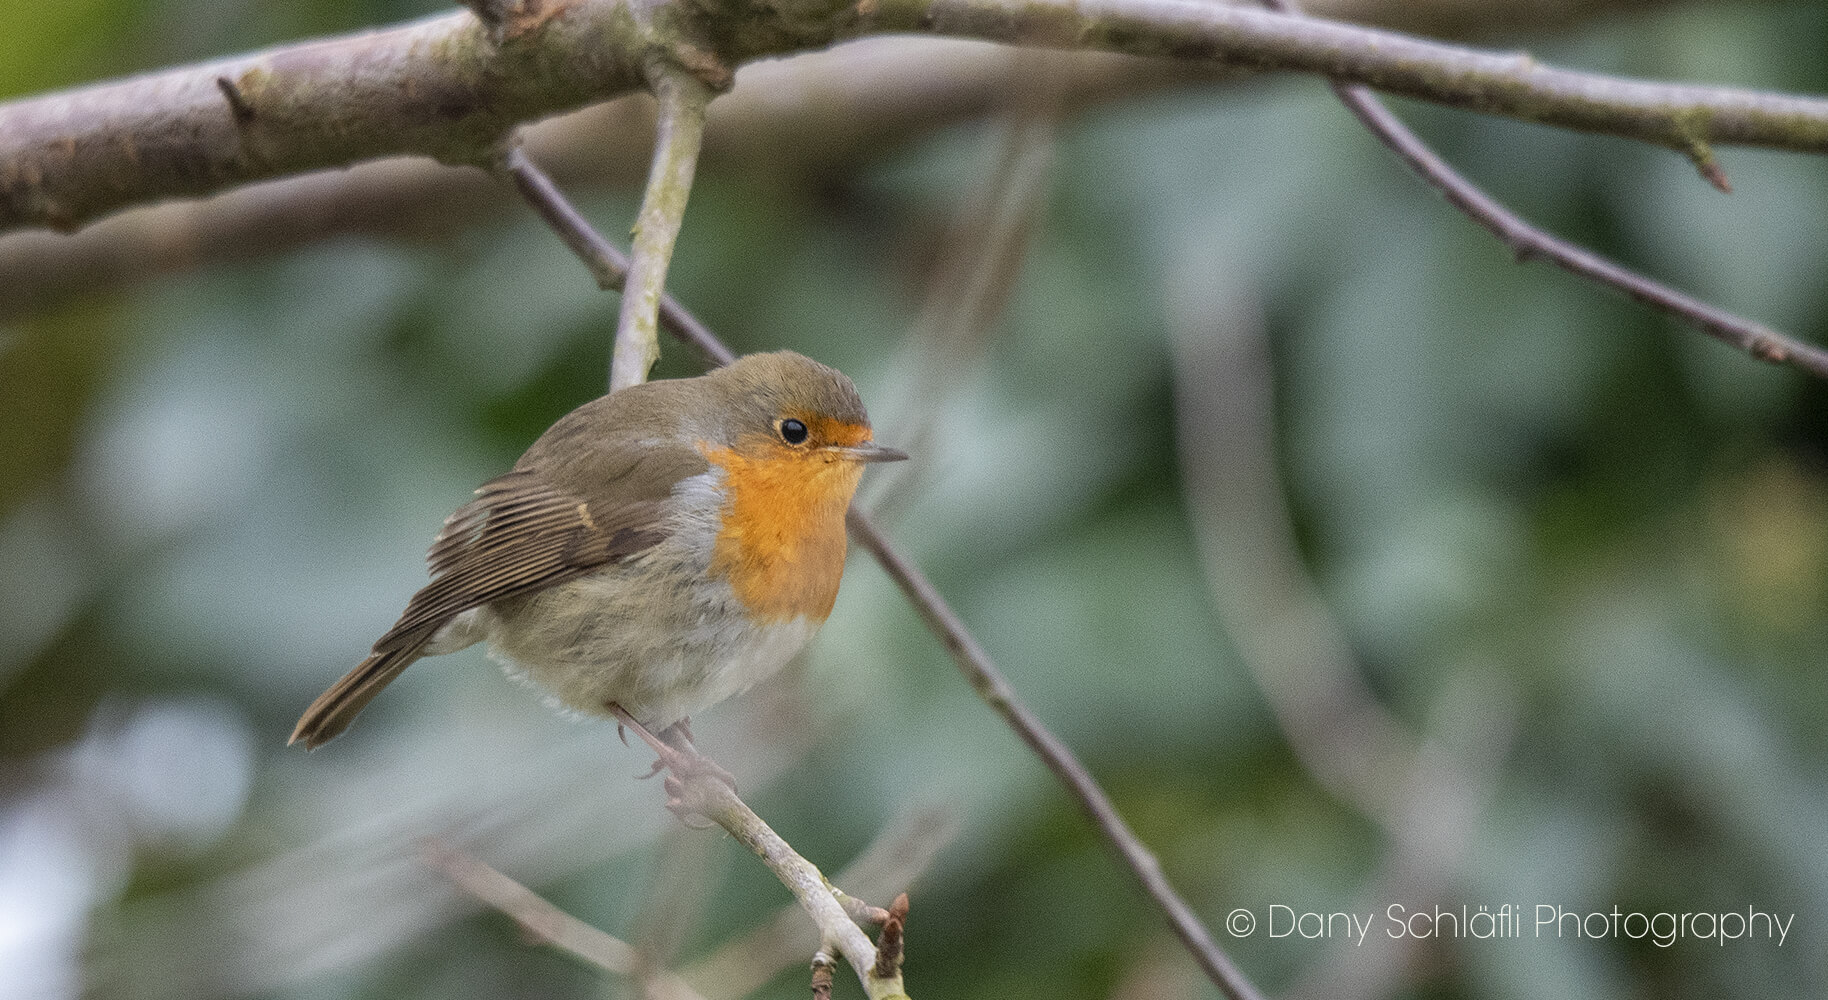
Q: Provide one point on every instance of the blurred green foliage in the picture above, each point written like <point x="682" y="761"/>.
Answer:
<point x="215" y="489"/>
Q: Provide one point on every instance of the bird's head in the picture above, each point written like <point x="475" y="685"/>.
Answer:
<point x="786" y="408"/>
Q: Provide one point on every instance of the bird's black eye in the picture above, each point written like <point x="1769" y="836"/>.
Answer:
<point x="792" y="431"/>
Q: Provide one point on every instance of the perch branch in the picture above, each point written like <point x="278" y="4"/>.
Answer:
<point x="990" y="684"/>
<point x="698" y="789"/>
<point x="901" y="852"/>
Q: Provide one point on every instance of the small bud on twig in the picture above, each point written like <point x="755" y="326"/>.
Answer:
<point x="889" y="942"/>
<point x="822" y="965"/>
<point x="237" y="102"/>
<point x="1703" y="156"/>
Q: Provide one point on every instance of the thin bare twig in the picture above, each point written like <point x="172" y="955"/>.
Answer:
<point x="990" y="685"/>
<point x="1527" y="241"/>
<point x="678" y="135"/>
<point x="547" y="924"/>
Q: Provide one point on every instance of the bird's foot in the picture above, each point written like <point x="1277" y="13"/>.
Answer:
<point x="679" y="737"/>
<point x="674" y="750"/>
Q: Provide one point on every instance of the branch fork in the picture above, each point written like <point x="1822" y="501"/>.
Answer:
<point x="698" y="786"/>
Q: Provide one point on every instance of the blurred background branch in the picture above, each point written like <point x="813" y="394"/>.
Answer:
<point x="546" y="924"/>
<point x="1295" y="652"/>
<point x="1426" y="795"/>
<point x="980" y="260"/>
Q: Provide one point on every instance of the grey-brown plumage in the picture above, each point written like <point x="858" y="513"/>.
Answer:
<point x="610" y="481"/>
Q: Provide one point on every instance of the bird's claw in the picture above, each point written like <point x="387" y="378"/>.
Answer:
<point x="676" y="804"/>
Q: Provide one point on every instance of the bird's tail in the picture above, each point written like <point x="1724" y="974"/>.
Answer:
<point x="333" y="710"/>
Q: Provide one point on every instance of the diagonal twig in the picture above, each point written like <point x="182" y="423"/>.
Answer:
<point x="1526" y="241"/>
<point x="978" y="669"/>
<point x="994" y="688"/>
<point x="606" y="261"/>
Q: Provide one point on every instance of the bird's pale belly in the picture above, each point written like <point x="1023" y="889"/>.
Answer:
<point x="662" y="646"/>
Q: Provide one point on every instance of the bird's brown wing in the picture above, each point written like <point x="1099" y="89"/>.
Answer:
<point x="520" y="534"/>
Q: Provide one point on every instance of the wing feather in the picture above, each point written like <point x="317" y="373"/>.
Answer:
<point x="526" y="531"/>
<point x="519" y="534"/>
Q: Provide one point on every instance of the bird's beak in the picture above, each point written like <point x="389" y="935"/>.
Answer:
<point x="870" y="451"/>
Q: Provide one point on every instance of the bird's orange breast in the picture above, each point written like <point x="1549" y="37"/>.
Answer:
<point x="781" y="544"/>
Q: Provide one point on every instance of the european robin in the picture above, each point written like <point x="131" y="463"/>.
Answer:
<point x="656" y="551"/>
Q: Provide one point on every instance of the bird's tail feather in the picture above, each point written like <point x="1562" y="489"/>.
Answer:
<point x="333" y="710"/>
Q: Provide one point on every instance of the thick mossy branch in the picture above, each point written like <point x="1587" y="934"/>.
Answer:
<point x="449" y="89"/>
<point x="441" y="88"/>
